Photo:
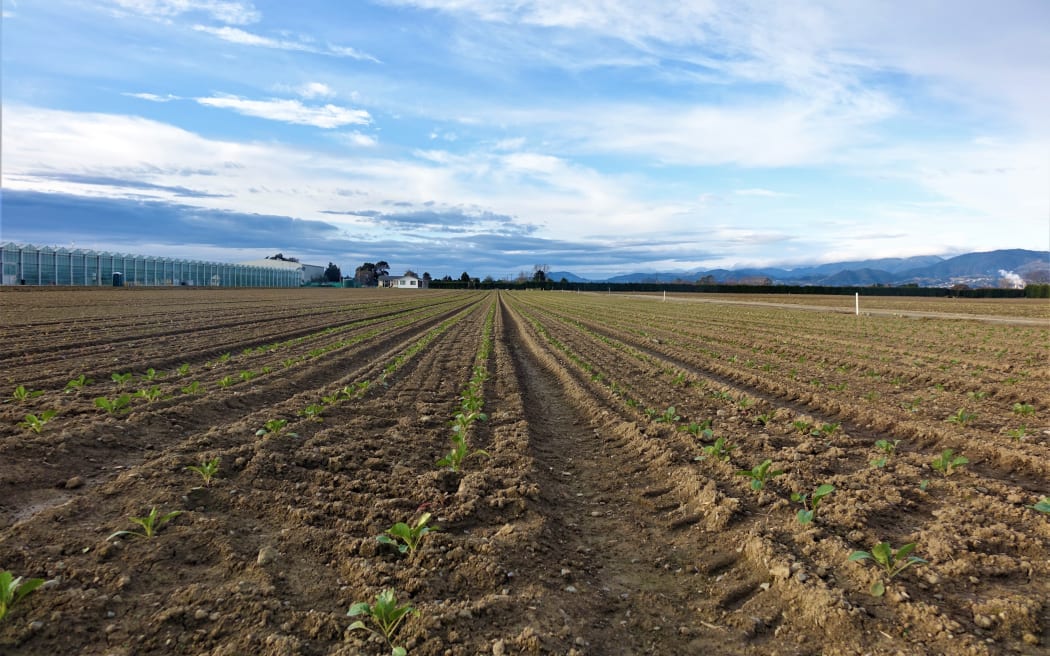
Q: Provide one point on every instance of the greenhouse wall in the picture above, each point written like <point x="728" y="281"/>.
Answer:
<point x="25" y="264"/>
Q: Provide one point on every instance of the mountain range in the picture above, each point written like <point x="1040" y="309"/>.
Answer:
<point x="987" y="269"/>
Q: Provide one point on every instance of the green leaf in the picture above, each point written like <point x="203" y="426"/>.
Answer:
<point x="805" y="516"/>
<point x="823" y="491"/>
<point x="1042" y="506"/>
<point x="877" y="589"/>
<point x="903" y="552"/>
<point x="360" y="608"/>
<point x="883" y="554"/>
<point x="399" y="651"/>
<point x="859" y="555"/>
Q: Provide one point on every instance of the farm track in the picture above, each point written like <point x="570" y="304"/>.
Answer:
<point x="591" y="527"/>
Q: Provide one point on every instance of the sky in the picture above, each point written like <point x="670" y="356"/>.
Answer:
<point x="600" y="137"/>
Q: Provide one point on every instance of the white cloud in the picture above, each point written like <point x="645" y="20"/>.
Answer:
<point x="765" y="193"/>
<point x="245" y="38"/>
<point x="291" y="111"/>
<point x="358" y="139"/>
<point x="152" y="97"/>
<point x="315" y="90"/>
<point x="226" y="11"/>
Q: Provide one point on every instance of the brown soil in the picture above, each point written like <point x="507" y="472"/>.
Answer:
<point x="592" y="528"/>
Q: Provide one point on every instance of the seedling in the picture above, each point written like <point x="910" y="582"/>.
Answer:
<point x="121" y="379"/>
<point x="151" y="394"/>
<point x="668" y="416"/>
<point x="700" y="430"/>
<point x="182" y="369"/>
<point x="651" y="413"/>
<point x="1042" y="506"/>
<point x="36" y="423"/>
<point x="745" y="402"/>
<point x="825" y="430"/>
<point x="207" y="469"/>
<point x="331" y="399"/>
<point x="113" y="406"/>
<point x="679" y="379"/>
<point x="247" y="375"/>
<point x="809" y="508"/>
<point x="802" y="426"/>
<point x="313" y="411"/>
<point x="760" y="474"/>
<point x="224" y="357"/>
<point x="913" y="405"/>
<point x="948" y="461"/>
<point x="13" y="590"/>
<point x="887" y="448"/>
<point x="151" y="374"/>
<point x="892" y="562"/>
<point x="386" y="615"/>
<point x="357" y="390"/>
<point x="407" y="538"/>
<point x="274" y="426"/>
<point x="78" y="383"/>
<point x="21" y="394"/>
<point x="720" y="449"/>
<point x="192" y="388"/>
<point x="225" y="381"/>
<point x="1024" y="409"/>
<point x="962" y="417"/>
<point x="150" y="524"/>
<point x="459" y="453"/>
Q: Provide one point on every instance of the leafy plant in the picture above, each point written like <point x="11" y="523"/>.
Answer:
<point x="407" y="538"/>
<point x="668" y="416"/>
<point x="207" y="469"/>
<point x="459" y="453"/>
<point x="224" y="357"/>
<point x="948" y="461"/>
<point x="1042" y="506"/>
<point x="1018" y="433"/>
<point x="121" y="379"/>
<point x="745" y="402"/>
<point x="888" y="448"/>
<point x="962" y="417"/>
<point x="151" y="374"/>
<point x="760" y="474"/>
<point x="150" y="524"/>
<point x="679" y="379"/>
<point x="274" y="426"/>
<point x="651" y="413"/>
<point x="802" y="426"/>
<point x="192" y="388"/>
<point x="386" y="615"/>
<point x="182" y="369"/>
<point x="700" y="430"/>
<point x="21" y="394"/>
<point x="36" y="423"/>
<point x="225" y="381"/>
<point x="913" y="405"/>
<point x="78" y="383"/>
<point x="113" y="406"/>
<point x="809" y="506"/>
<point x="720" y="449"/>
<point x="247" y="375"/>
<point x="13" y="590"/>
<point x="150" y="394"/>
<point x="1024" y="409"/>
<point x="764" y="418"/>
<point x="825" y="430"/>
<point x="331" y="399"/>
<point x="892" y="562"/>
<point x="313" y="411"/>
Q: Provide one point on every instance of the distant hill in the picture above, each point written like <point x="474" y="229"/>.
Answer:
<point x="568" y="275"/>
<point x="974" y="269"/>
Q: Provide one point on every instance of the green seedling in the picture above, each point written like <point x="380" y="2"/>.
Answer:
<point x="651" y="413"/>
<point x="151" y="375"/>
<point x="21" y="394"/>
<point x="225" y="381"/>
<point x="700" y="430"/>
<point x="192" y="388"/>
<point x="825" y="430"/>
<point x="113" y="406"/>
<point x="760" y="474"/>
<point x="331" y="399"/>
<point x="679" y="379"/>
<point x="224" y="357"/>
<point x="14" y="589"/>
<point x="962" y="417"/>
<point x="459" y="453"/>
<point x="1018" y="433"/>
<point x="182" y="369"/>
<point x="357" y="390"/>
<point x="913" y="405"/>
<point x="1024" y="409"/>
<point x="978" y="395"/>
<point x="274" y="426"/>
<point x="887" y="448"/>
<point x="386" y="615"/>
<point x="289" y="362"/>
<point x="923" y="484"/>
<point x="745" y="402"/>
<point x="247" y="375"/>
<point x="36" y="423"/>
<point x="720" y="449"/>
<point x="407" y="538"/>
<point x="265" y="370"/>
<point x="892" y="562"/>
<point x="150" y="524"/>
<point x="764" y="418"/>
<point x="801" y="426"/>
<point x="809" y="508"/>
<point x="312" y="411"/>
<point x="151" y="394"/>
<point x="1042" y="506"/>
<point x="668" y="417"/>
<point x="948" y="461"/>
<point x="207" y="469"/>
<point x="78" y="383"/>
<point x="121" y="379"/>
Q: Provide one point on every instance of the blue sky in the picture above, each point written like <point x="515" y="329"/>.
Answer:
<point x="599" y="137"/>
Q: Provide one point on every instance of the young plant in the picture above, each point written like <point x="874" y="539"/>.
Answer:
<point x="247" y="375"/>
<point x="121" y="379"/>
<point x="720" y="449"/>
<point x="225" y="381"/>
<point x="151" y="375"/>
<point x="274" y="426"/>
<point x="668" y="416"/>
<point x="182" y="369"/>
<point x="151" y="394"/>
<point x="78" y="383"/>
<point x="948" y="461"/>
<point x="207" y="469"/>
<point x="36" y="423"/>
<point x="150" y="524"/>
<point x="825" y="430"/>
<point x="407" y="538"/>
<point x="1024" y="409"/>
<point x="313" y="411"/>
<point x="962" y="417"/>
<point x="386" y="615"/>
<point x="760" y="474"/>
<point x="700" y="430"/>
<point x="679" y="379"/>
<point x="113" y="406"/>
<point x="888" y="448"/>
<point x="459" y="453"/>
<point x="764" y="418"/>
<point x="801" y="426"/>
<point x="21" y="394"/>
<point x="192" y="388"/>
<point x="1042" y="506"/>
<point x="809" y="508"/>
<point x="892" y="562"/>
<point x="13" y="590"/>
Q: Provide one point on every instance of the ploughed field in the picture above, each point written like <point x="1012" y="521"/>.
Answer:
<point x="600" y="508"/>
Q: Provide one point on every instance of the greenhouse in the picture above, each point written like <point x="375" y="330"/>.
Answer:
<point x="25" y="264"/>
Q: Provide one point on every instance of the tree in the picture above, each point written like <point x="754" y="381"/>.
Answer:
<point x="382" y="268"/>
<point x="539" y="275"/>
<point x="465" y="277"/>
<point x="410" y="272"/>
<point x="282" y="258"/>
<point x="426" y="277"/>
<point x="365" y="275"/>
<point x="332" y="273"/>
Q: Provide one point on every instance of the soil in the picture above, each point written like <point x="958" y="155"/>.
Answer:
<point x="595" y="522"/>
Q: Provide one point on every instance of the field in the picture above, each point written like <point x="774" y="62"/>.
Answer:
<point x="604" y="511"/>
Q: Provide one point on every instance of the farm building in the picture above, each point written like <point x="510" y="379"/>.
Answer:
<point x="26" y="264"/>
<point x="407" y="281"/>
<point x="307" y="272"/>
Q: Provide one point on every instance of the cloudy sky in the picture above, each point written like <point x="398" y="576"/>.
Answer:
<point x="594" y="136"/>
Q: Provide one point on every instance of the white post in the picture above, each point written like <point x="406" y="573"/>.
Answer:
<point x="665" y="296"/>
<point x="856" y="299"/>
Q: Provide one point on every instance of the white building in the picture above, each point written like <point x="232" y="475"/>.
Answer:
<point x="407" y="281"/>
<point x="309" y="272"/>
